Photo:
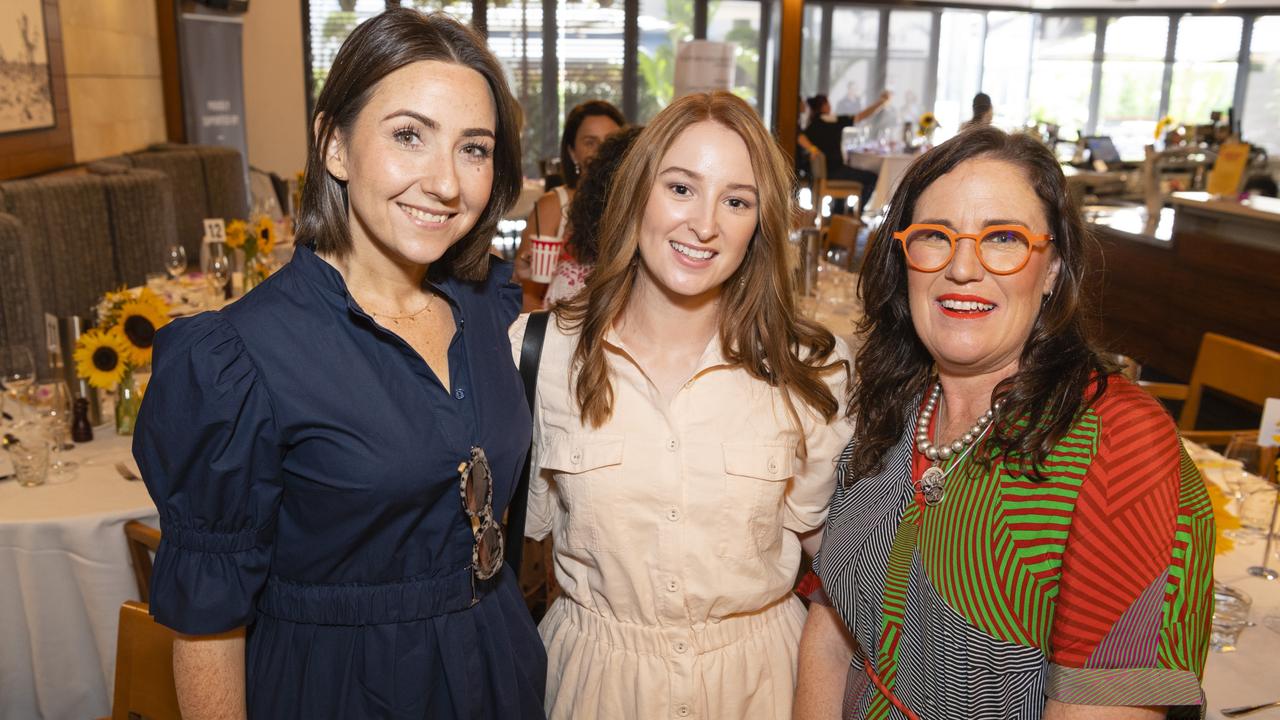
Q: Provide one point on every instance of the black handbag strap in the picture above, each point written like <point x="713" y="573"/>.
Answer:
<point x="530" y="355"/>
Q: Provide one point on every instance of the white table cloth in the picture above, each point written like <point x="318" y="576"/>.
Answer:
<point x="64" y="571"/>
<point x="1251" y="674"/>
<point x="890" y="168"/>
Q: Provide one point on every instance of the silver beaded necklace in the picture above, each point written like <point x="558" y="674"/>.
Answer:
<point x="933" y="483"/>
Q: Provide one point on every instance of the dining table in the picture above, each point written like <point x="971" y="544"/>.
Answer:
<point x="889" y="166"/>
<point x="64" y="572"/>
<point x="1249" y="674"/>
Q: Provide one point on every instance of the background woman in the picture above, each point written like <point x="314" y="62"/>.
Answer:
<point x="684" y="435"/>
<point x="581" y="249"/>
<point x="329" y="453"/>
<point x="1016" y="531"/>
<point x="585" y="128"/>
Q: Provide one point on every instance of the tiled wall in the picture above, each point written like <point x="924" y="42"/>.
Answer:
<point x="111" y="50"/>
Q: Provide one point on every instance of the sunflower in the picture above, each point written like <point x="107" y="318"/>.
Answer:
<point x="145" y="295"/>
<point x="265" y="231"/>
<point x="138" y="324"/>
<point x="236" y="234"/>
<point x="100" y="358"/>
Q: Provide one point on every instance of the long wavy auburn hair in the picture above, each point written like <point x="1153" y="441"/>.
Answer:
<point x="1059" y="361"/>
<point x="760" y="329"/>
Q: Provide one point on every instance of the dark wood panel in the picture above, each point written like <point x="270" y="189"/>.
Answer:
<point x="170" y="69"/>
<point x="34" y="151"/>
<point x="1157" y="302"/>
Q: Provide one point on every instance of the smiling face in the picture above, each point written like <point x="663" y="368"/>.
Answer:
<point x="971" y="321"/>
<point x="702" y="211"/>
<point x="418" y="161"/>
<point x="593" y="130"/>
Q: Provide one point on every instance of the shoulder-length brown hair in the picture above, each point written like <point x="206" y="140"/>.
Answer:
<point x="759" y="327"/>
<point x="1058" y="362"/>
<point x="376" y="48"/>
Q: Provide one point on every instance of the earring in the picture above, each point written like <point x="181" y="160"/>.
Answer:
<point x="742" y="282"/>
<point x="577" y="167"/>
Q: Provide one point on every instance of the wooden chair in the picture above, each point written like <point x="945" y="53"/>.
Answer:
<point x="842" y="232"/>
<point x="823" y="186"/>
<point x="144" y="667"/>
<point x="1238" y="368"/>
<point x="143" y="540"/>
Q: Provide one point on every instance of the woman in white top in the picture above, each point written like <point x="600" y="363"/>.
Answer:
<point x="686" y="424"/>
<point x="585" y="127"/>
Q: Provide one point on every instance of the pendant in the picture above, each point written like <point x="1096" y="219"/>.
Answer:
<point x="933" y="486"/>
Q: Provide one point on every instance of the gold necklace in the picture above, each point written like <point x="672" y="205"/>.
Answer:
<point x="411" y="317"/>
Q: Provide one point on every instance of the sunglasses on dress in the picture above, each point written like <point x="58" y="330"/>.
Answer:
<point x="477" y="500"/>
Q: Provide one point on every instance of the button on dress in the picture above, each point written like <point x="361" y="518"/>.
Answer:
<point x="304" y="461"/>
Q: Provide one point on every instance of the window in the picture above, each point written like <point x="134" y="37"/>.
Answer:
<point x="515" y="37"/>
<point x="331" y="21"/>
<point x="907" y="69"/>
<point x="664" y="24"/>
<point x="1262" y="96"/>
<point x="855" y="34"/>
<point x="589" y="49"/>
<point x="1006" y="67"/>
<point x="1204" y="68"/>
<point x="1132" y="80"/>
<point x="959" y="69"/>
<point x="738" y="21"/>
<point x="1062" y="76"/>
<point x="811" y="46"/>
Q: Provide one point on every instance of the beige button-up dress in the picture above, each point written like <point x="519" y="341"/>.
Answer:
<point x="675" y="533"/>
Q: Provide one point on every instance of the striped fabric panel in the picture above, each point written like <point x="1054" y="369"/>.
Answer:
<point x="1124" y="686"/>
<point x="1188" y="601"/>
<point x="1134" y="638"/>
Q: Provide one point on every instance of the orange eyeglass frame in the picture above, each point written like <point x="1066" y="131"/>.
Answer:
<point x="1033" y="239"/>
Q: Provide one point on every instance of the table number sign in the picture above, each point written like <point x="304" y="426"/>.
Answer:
<point x="53" y="340"/>
<point x="215" y="230"/>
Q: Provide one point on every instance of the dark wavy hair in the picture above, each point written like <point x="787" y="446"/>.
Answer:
<point x="572" y="122"/>
<point x="587" y="206"/>
<point x="376" y="48"/>
<point x="1059" y="362"/>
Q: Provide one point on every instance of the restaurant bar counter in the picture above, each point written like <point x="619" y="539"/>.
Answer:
<point x="1204" y="265"/>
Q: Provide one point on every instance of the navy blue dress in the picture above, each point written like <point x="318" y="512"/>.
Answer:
<point x="305" y="465"/>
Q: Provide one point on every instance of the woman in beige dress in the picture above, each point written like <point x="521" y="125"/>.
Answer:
<point x="685" y="426"/>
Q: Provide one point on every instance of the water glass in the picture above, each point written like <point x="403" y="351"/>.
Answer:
<point x="53" y="405"/>
<point x="1230" y="616"/>
<point x="30" y="454"/>
<point x="17" y="373"/>
<point x="217" y="273"/>
<point x="175" y="261"/>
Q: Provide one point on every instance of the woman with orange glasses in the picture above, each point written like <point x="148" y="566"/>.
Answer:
<point x="1016" y="530"/>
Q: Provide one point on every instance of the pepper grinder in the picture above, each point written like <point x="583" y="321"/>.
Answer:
<point x="81" y="428"/>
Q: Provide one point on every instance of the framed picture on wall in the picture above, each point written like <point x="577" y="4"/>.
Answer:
<point x="26" y="84"/>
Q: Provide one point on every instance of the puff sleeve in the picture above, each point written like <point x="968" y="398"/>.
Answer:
<point x="809" y="494"/>
<point x="208" y="448"/>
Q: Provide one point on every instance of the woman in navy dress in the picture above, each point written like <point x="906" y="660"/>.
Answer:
<point x="311" y="447"/>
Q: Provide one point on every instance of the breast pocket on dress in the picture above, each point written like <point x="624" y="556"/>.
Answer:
<point x="584" y="465"/>
<point x="756" y="476"/>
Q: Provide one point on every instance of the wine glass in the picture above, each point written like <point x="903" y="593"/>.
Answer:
<point x="17" y="373"/>
<point x="175" y="261"/>
<point x="53" y="405"/>
<point x="217" y="272"/>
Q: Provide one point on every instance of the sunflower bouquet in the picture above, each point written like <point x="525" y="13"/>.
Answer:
<point x="255" y="240"/>
<point x="926" y="124"/>
<point x="109" y="355"/>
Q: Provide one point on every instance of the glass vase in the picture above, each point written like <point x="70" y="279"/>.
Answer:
<point x="255" y="271"/>
<point x="128" y="401"/>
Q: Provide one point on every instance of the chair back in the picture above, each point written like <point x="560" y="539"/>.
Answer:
<point x="1235" y="367"/>
<point x="144" y="668"/>
<point x="143" y="540"/>
<point x="842" y="232"/>
<point x="21" y="306"/>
